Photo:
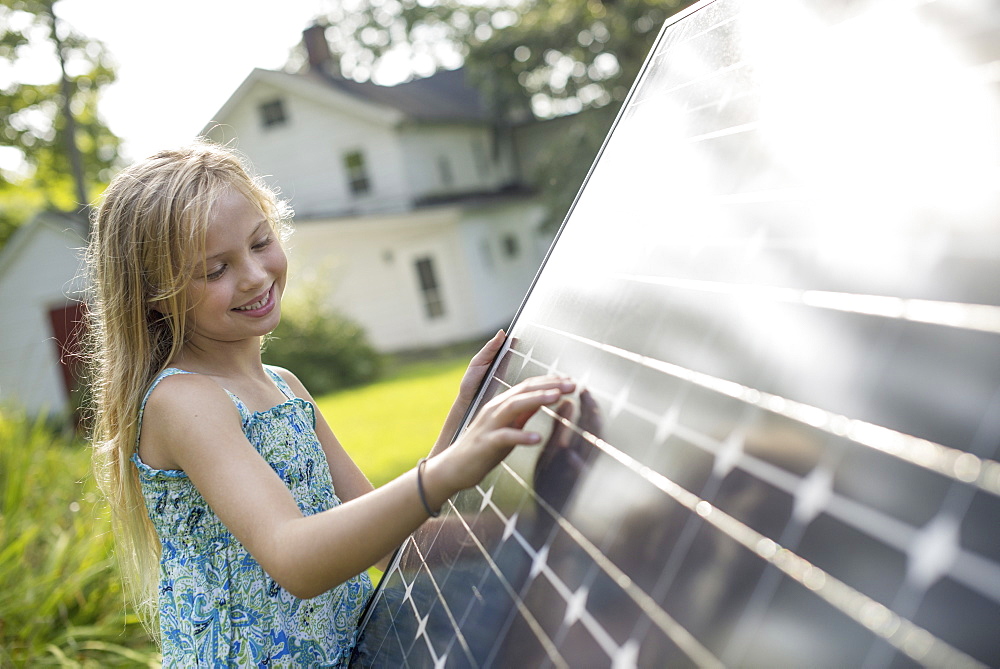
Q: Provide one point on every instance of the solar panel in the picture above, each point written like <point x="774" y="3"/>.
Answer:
<point x="778" y="288"/>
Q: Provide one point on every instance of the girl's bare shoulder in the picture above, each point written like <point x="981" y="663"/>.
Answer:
<point x="184" y="411"/>
<point x="184" y="392"/>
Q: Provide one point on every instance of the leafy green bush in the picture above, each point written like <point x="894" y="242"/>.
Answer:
<point x="61" y="599"/>
<point x="324" y="348"/>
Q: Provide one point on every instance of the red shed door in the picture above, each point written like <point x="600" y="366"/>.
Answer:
<point x="67" y="328"/>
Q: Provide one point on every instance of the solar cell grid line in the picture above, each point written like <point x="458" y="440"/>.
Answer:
<point x="845" y="597"/>
<point x="459" y="636"/>
<point x="918" y="643"/>
<point x="873" y="522"/>
<point x="847" y="518"/>
<point x="953" y="463"/>
<point x="539" y="567"/>
<point x="977" y="574"/>
<point x="551" y="651"/>
<point x="677" y="88"/>
<point x="654" y="612"/>
<point x="982" y="317"/>
<point x="521" y="354"/>
<point x="418" y="632"/>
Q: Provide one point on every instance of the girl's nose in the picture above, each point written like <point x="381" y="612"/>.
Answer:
<point x="255" y="275"/>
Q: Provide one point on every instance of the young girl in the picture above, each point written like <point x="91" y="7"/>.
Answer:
<point x="240" y="519"/>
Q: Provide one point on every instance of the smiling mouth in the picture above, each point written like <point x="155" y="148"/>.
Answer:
<point x="256" y="305"/>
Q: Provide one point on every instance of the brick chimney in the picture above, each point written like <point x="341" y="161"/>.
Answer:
<point x="318" y="50"/>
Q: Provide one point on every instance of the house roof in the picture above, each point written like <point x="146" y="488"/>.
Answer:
<point x="442" y="97"/>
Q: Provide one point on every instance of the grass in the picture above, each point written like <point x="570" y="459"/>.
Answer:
<point x="386" y="427"/>
<point x="61" y="600"/>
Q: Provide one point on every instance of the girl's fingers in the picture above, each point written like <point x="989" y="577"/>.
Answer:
<point x="509" y="436"/>
<point x="529" y="401"/>
<point x="516" y="409"/>
<point x="489" y="350"/>
<point x="536" y="384"/>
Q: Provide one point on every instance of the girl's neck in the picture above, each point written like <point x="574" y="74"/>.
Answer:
<point x="221" y="361"/>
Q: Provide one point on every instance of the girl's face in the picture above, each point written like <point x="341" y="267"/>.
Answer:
<point x="237" y="292"/>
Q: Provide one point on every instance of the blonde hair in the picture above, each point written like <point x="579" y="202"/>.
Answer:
<point x="148" y="235"/>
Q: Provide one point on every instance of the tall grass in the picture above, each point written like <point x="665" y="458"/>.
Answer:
<point x="61" y="600"/>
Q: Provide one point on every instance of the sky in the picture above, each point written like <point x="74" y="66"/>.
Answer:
<point x="179" y="61"/>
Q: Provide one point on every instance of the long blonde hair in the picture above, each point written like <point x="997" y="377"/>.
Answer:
<point x="148" y="234"/>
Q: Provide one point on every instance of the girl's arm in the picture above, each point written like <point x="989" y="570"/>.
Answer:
<point x="191" y="423"/>
<point x="473" y="377"/>
<point x="349" y="481"/>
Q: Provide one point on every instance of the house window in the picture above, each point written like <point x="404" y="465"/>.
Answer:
<point x="430" y="290"/>
<point x="511" y="247"/>
<point x="357" y="173"/>
<point x="479" y="156"/>
<point x="487" y="252"/>
<point x="272" y="113"/>
<point x="444" y="171"/>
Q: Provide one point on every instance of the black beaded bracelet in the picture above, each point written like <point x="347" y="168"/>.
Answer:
<point x="420" y="489"/>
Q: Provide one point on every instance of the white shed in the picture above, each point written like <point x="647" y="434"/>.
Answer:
<point x="41" y="291"/>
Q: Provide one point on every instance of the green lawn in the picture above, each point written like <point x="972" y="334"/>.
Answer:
<point x="386" y="427"/>
<point x="61" y="601"/>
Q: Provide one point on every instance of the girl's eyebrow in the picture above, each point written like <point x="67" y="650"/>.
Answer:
<point x="263" y="222"/>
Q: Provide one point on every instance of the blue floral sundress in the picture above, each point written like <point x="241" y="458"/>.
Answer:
<point x="217" y="605"/>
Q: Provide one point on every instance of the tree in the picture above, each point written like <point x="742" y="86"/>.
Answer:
<point x="64" y="152"/>
<point x="540" y="58"/>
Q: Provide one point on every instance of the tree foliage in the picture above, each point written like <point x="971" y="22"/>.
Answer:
<point x="558" y="56"/>
<point x="529" y="58"/>
<point x="33" y="122"/>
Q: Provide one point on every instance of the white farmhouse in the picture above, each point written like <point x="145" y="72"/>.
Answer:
<point x="411" y="217"/>
<point x="410" y="209"/>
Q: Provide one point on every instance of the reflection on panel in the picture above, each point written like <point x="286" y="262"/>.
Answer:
<point x="778" y="289"/>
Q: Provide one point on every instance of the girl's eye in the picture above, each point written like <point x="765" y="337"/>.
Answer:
<point x="264" y="243"/>
<point x="216" y="274"/>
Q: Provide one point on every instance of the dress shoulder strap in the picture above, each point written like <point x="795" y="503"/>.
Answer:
<point x="169" y="371"/>
<point x="245" y="412"/>
<point x="280" y="382"/>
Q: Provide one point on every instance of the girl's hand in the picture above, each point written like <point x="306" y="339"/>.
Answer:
<point x="478" y="367"/>
<point x="496" y="430"/>
<point x="471" y="381"/>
